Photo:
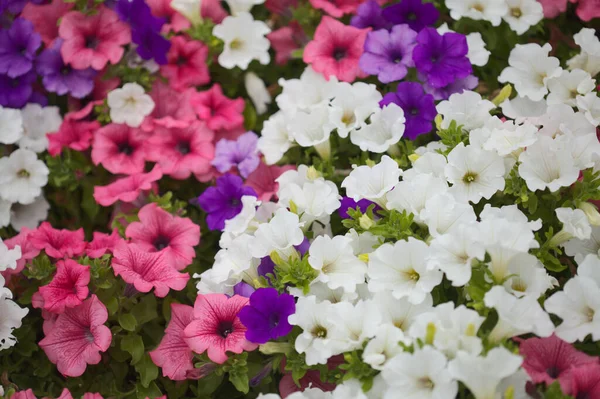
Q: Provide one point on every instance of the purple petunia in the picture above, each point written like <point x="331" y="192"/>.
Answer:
<point x="389" y="54"/>
<point x="370" y="15"/>
<point x="415" y="13"/>
<point x="442" y="59"/>
<point x="243" y="289"/>
<point x="240" y="153"/>
<point x="16" y="92"/>
<point x="151" y="45"/>
<point x="223" y="201"/>
<point x="60" y="78"/>
<point x="18" y="46"/>
<point x="457" y="86"/>
<point x="266" y="316"/>
<point x="348" y="203"/>
<point x="419" y="108"/>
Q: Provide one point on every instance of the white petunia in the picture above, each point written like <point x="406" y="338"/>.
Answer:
<point x="467" y="109"/>
<point x="574" y="222"/>
<point x="402" y="268"/>
<point x="275" y="138"/>
<point x="5" y="213"/>
<point x="373" y="182"/>
<point x="432" y="163"/>
<point x="357" y="323"/>
<point x="281" y="233"/>
<point x="352" y="105"/>
<point x="8" y="257"/>
<point x="312" y="129"/>
<point x="244" y="40"/>
<point x="510" y="213"/>
<point x="233" y="261"/>
<point x="590" y="106"/>
<point x="523" y="14"/>
<point x="22" y="176"/>
<point x="189" y="9"/>
<point x="336" y="262"/>
<point x="581" y="248"/>
<point x="411" y="196"/>
<point x="443" y="213"/>
<point x="488" y="10"/>
<point x="129" y="104"/>
<point x="310" y="90"/>
<point x="11" y="125"/>
<point x="257" y="91"/>
<point x="527" y="276"/>
<point x="524" y="109"/>
<point x="37" y="123"/>
<point x="29" y="215"/>
<point x="314" y="200"/>
<point x="349" y="389"/>
<point x="530" y="69"/>
<point x="386" y="128"/>
<point x="506" y="138"/>
<point x="589" y="58"/>
<point x="384" y="346"/>
<point x="12" y="315"/>
<point x="238" y="6"/>
<point x="400" y="313"/>
<point x="363" y="243"/>
<point x="565" y="88"/>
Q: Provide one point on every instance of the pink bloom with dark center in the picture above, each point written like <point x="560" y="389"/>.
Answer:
<point x="547" y="359"/>
<point x="68" y="288"/>
<point x="28" y="250"/>
<point x="262" y="180"/>
<point x="582" y="382"/>
<point x="73" y="134"/>
<point x="336" y="8"/>
<point x="285" y="40"/>
<point x="93" y="40"/>
<point x="45" y="17"/>
<point x="127" y="189"/>
<point x="182" y="151"/>
<point x="336" y="49"/>
<point x="120" y="149"/>
<point x="173" y="354"/>
<point x="217" y="328"/>
<point x="217" y="110"/>
<point x="186" y="64"/>
<point x="103" y="243"/>
<point x="58" y="243"/>
<point x="171" y="108"/>
<point x="171" y="236"/>
<point x="174" y="21"/>
<point x="78" y="337"/>
<point x="147" y="270"/>
<point x="588" y="9"/>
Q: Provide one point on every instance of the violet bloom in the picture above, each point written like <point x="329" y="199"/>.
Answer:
<point x="17" y="48"/>
<point x="369" y="15"/>
<point x="151" y="45"/>
<point x="389" y="54"/>
<point x="441" y="58"/>
<point x="223" y="201"/>
<point x="60" y="78"/>
<point x="243" y="289"/>
<point x="266" y="317"/>
<point x="16" y="92"/>
<point x="363" y="204"/>
<point x="457" y="86"/>
<point x="412" y="12"/>
<point x="241" y="153"/>
<point x="419" y="108"/>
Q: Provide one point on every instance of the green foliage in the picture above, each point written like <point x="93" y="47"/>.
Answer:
<point x="295" y="271"/>
<point x="452" y="136"/>
<point x="237" y="369"/>
<point x="147" y="370"/>
<point x="554" y="392"/>
<point x="355" y="368"/>
<point x="391" y="224"/>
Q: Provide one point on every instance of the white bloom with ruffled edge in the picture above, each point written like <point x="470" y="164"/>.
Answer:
<point x="467" y="109"/>
<point x="574" y="222"/>
<point x="565" y="88"/>
<point x="589" y="57"/>
<point x="275" y="138"/>
<point x="386" y="129"/>
<point x="129" y="105"/>
<point x="37" y="123"/>
<point x="238" y="6"/>
<point x="488" y="10"/>
<point x="22" y="176"/>
<point x="384" y="346"/>
<point x="443" y="213"/>
<point x="523" y="14"/>
<point x="373" y="182"/>
<point x="257" y="91"/>
<point x="30" y="215"/>
<point x="9" y="257"/>
<point x="189" y="9"/>
<point x="11" y="125"/>
<point x="590" y="106"/>
<point x="12" y="315"/>
<point x="411" y="196"/>
<point x="312" y="129"/>
<point x="281" y="233"/>
<point x="352" y="105"/>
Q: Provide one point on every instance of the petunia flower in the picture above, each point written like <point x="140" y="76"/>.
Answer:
<point x="582" y="381"/>
<point x="78" y="337"/>
<point x="68" y="288"/>
<point x="370" y="15"/>
<point x="336" y="8"/>
<point x="419" y="108"/>
<point x="45" y="17"/>
<point x="174" y="21"/>
<point x="73" y="134"/>
<point x="285" y="40"/>
<point x="127" y="189"/>
<point x="28" y="250"/>
<point x="58" y="244"/>
<point x="415" y="13"/>
<point x="336" y="50"/>
<point x="348" y="203"/>
<point x="266" y="315"/>
<point x="264" y="180"/>
<point x="172" y="108"/>
<point x="146" y="270"/>
<point x="456" y="87"/>
<point x="102" y="243"/>
<point x="173" y="354"/>
<point x="186" y="64"/>
<point x="16" y="92"/>
<point x="37" y="123"/>
<point x="172" y="236"/>
<point x="181" y="152"/>
<point x="217" y="110"/>
<point x="120" y="149"/>
<point x="18" y="46"/>
<point x="224" y="200"/>
<point x="216" y="328"/>
<point x="241" y="154"/>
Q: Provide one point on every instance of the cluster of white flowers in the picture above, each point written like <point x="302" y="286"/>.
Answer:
<point x="520" y="15"/>
<point x="11" y="313"/>
<point x="22" y="174"/>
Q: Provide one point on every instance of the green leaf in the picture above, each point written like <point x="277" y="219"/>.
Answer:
<point x="88" y="203"/>
<point x="112" y="304"/>
<point x="554" y="392"/>
<point x="147" y="370"/>
<point x="145" y="310"/>
<point x="127" y="321"/>
<point x="135" y="346"/>
<point x="151" y="391"/>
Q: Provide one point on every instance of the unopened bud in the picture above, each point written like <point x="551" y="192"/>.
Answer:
<point x="503" y="95"/>
<point x="430" y="334"/>
<point x="312" y="173"/>
<point x="366" y="222"/>
<point x="413" y="158"/>
<point x="591" y="212"/>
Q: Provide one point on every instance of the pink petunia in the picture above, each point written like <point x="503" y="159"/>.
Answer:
<point x="285" y="40"/>
<point x="213" y="10"/>
<point x="174" y="21"/>
<point x="336" y="49"/>
<point x="58" y="243"/>
<point x="173" y="354"/>
<point x="582" y="381"/>
<point x="127" y="189"/>
<point x="120" y="149"/>
<point x="588" y="9"/>
<point x="28" y="250"/>
<point x="103" y="85"/>
<point x="68" y="288"/>
<point x="217" y="328"/>
<point x="93" y="40"/>
<point x="147" y="270"/>
<point x="49" y="318"/>
<point x="90" y="395"/>
<point x="281" y="7"/>
<point x="312" y="378"/>
<point x="76" y="135"/>
<point x="45" y="17"/>
<point x="172" y="108"/>
<point x="102" y="244"/>
<point x="65" y="394"/>
<point x="186" y="64"/>
<point x="78" y="337"/>
<point x="217" y="110"/>
<point x="552" y="8"/>
<point x="171" y="236"/>
<point x="28" y="394"/>
<point x="547" y="359"/>
<point x="262" y="180"/>
<point x="336" y="8"/>
<point x="182" y="151"/>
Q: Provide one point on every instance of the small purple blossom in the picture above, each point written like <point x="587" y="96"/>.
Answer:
<point x="457" y="86"/>
<point x="60" y="78"/>
<point x="266" y="316"/>
<point x="348" y="203"/>
<point x="17" y="48"/>
<point x="369" y="15"/>
<point x="419" y="108"/>
<point x="389" y="54"/>
<point x="415" y="13"/>
<point x="151" y="45"/>
<point x="223" y="201"/>
<point x="442" y="59"/>
<point x="243" y="289"/>
<point x="241" y="153"/>
<point x="16" y="92"/>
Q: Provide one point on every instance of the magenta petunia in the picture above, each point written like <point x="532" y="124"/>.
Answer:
<point x="186" y="65"/>
<point x="160" y="231"/>
<point x="103" y="243"/>
<point x="263" y="180"/>
<point x="173" y="354"/>
<point x="58" y="243"/>
<point x="28" y="250"/>
<point x="68" y="288"/>
<point x="336" y="8"/>
<point x="217" y="110"/>
<point x="285" y="40"/>
<point x="217" y="328"/>
<point x="78" y="337"/>
<point x="146" y="270"/>
<point x="172" y="108"/>
<point x="28" y="394"/>
<point x="73" y="134"/>
<point x="120" y="149"/>
<point x="127" y="189"/>
<point x="45" y="17"/>
<point x="582" y="381"/>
